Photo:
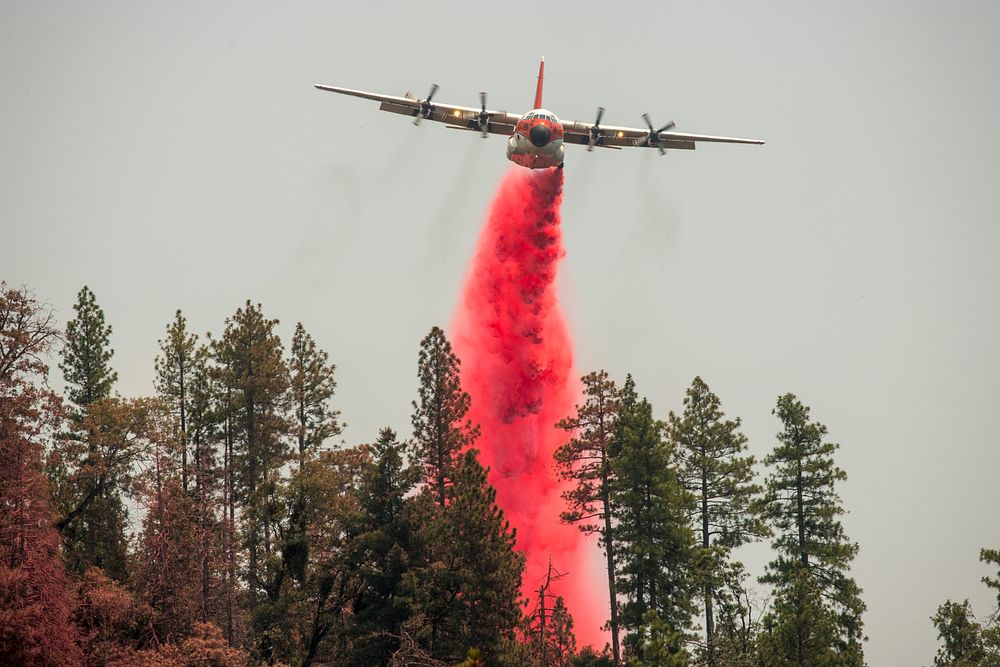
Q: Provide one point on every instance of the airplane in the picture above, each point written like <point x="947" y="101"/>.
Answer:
<point x="537" y="140"/>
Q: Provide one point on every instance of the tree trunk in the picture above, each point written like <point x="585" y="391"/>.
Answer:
<point x="709" y="620"/>
<point x="609" y="551"/>
<point x="800" y="518"/>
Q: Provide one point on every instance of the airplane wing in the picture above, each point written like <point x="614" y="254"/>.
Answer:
<point x="610" y="136"/>
<point x="456" y="117"/>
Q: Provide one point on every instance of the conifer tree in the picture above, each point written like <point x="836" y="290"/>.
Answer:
<point x="86" y="481"/>
<point x="382" y="548"/>
<point x="179" y="354"/>
<point x="251" y="368"/>
<point x="467" y="588"/>
<point x="804" y="509"/>
<point x="965" y="642"/>
<point x="312" y="386"/>
<point x="439" y="433"/>
<point x="654" y="539"/>
<point x="719" y="476"/>
<point x="801" y="631"/>
<point x="585" y="462"/>
<point x="86" y="364"/>
<point x="992" y="557"/>
<point x="35" y="623"/>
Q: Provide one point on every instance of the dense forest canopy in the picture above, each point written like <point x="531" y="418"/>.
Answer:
<point x="218" y="523"/>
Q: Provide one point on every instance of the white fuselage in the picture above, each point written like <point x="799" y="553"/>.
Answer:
<point x="537" y="141"/>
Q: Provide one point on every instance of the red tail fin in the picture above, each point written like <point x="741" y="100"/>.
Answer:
<point x="538" y="90"/>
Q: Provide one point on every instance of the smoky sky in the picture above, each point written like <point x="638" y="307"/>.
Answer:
<point x="176" y="156"/>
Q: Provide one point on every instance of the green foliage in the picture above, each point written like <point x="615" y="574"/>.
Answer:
<point x="86" y="355"/>
<point x="467" y="589"/>
<point x="736" y="631"/>
<point x="719" y="477"/>
<point x="801" y="631"/>
<point x="381" y="551"/>
<point x="177" y="363"/>
<point x="585" y="463"/>
<point x="653" y="539"/>
<point x="992" y="557"/>
<point x="312" y="386"/>
<point x="93" y="471"/>
<point x="438" y="430"/>
<point x="964" y="641"/>
<point x="661" y="645"/>
<point x="253" y="374"/>
<point x="960" y="634"/>
<point x="804" y="509"/>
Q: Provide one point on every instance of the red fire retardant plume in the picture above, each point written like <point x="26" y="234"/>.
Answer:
<point x="517" y="365"/>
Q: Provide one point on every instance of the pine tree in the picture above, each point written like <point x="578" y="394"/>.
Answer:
<point x="966" y="642"/>
<point x="249" y="357"/>
<point x="330" y="584"/>
<point x="654" y="542"/>
<point x="719" y="476"/>
<point x="992" y="557"/>
<point x="468" y="587"/>
<point x="801" y="631"/>
<point x="438" y="430"/>
<point x="312" y="387"/>
<point x="382" y="549"/>
<point x="585" y="462"/>
<point x="35" y="624"/>
<point x="85" y="482"/>
<point x="736" y="629"/>
<point x="204" y="415"/>
<point x="174" y="367"/>
<point x="804" y="509"/>
<point x="86" y="356"/>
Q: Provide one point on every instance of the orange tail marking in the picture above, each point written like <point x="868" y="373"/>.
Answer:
<point x="538" y="90"/>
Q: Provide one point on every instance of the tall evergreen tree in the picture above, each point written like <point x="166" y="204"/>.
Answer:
<point x="801" y="631"/>
<point x="804" y="509"/>
<point x="439" y="433"/>
<point x="249" y="356"/>
<point x="312" y="386"/>
<point x="94" y="515"/>
<point x="467" y="589"/>
<point x="719" y="476"/>
<point x="35" y="624"/>
<point x="179" y="354"/>
<point x="585" y="462"/>
<point x="654" y="539"/>
<point x="86" y="364"/>
<point x="382" y="549"/>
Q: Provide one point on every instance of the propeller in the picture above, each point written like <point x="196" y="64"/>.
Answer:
<point x="595" y="130"/>
<point x="653" y="138"/>
<point x="425" y="106"/>
<point x="484" y="118"/>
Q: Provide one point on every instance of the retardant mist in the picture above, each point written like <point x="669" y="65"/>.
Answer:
<point x="517" y="365"/>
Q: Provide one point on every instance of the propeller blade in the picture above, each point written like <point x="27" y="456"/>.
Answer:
<point x="666" y="127"/>
<point x="663" y="151"/>
<point x="595" y="130"/>
<point x="434" y="89"/>
<point x="482" y="101"/>
<point x="649" y="123"/>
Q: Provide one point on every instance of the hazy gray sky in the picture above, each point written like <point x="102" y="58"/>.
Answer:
<point x="177" y="156"/>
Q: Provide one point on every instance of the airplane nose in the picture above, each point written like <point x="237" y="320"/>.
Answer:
<point x="540" y="135"/>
